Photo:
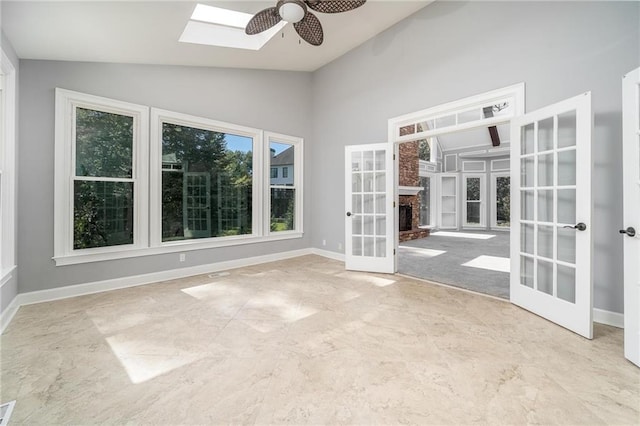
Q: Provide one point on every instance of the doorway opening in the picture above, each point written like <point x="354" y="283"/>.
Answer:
<point x="453" y="174"/>
<point x="460" y="233"/>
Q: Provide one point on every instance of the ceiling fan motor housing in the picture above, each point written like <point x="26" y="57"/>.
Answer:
<point x="291" y="10"/>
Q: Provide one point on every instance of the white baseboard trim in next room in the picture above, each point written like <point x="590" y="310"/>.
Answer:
<point x="613" y="319"/>
<point x="136" y="280"/>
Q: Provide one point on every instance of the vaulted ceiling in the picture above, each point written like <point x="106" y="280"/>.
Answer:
<point x="147" y="32"/>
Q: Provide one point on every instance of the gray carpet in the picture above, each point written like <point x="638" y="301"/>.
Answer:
<point x="447" y="268"/>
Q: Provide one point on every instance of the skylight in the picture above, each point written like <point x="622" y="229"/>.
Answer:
<point x="218" y="15"/>
<point x="215" y="26"/>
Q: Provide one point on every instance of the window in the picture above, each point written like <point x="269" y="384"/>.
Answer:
<point x="474" y="200"/>
<point x="7" y="168"/>
<point x="285" y="202"/>
<point x="501" y="200"/>
<point x="207" y="179"/>
<point x="274" y="172"/>
<point x="125" y="188"/>
<point x="101" y="174"/>
<point x="425" y="198"/>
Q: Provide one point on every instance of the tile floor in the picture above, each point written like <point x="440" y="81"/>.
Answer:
<point x="302" y="341"/>
<point x="443" y="258"/>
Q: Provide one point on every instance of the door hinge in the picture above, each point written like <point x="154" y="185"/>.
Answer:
<point x="394" y="204"/>
<point x="394" y="252"/>
<point x="394" y="157"/>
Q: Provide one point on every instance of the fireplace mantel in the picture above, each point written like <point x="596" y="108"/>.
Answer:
<point x="409" y="190"/>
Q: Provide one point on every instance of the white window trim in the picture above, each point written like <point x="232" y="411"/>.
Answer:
<point x="148" y="158"/>
<point x="483" y="196"/>
<point x="494" y="201"/>
<point x="66" y="102"/>
<point x="482" y="162"/>
<point x="494" y="168"/>
<point x="8" y="169"/>
<point x="514" y="93"/>
<point x="298" y="161"/>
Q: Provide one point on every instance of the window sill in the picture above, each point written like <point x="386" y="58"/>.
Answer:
<point x="174" y="247"/>
<point x="6" y="275"/>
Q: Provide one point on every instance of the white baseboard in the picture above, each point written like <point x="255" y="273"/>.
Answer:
<point x="8" y="314"/>
<point x="613" y="319"/>
<point x="328" y="254"/>
<point x="599" y="315"/>
<point x="136" y="280"/>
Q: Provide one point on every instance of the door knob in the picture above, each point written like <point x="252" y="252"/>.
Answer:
<point x="631" y="232"/>
<point x="579" y="226"/>
<point x="348" y="214"/>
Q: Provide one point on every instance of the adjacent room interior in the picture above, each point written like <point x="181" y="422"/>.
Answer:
<point x="454" y="203"/>
<point x="243" y="212"/>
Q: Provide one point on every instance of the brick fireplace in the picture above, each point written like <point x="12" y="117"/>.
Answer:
<point x="409" y="181"/>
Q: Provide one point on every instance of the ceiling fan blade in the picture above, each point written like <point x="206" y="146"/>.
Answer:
<point x="334" y="6"/>
<point x="262" y="21"/>
<point x="310" y="29"/>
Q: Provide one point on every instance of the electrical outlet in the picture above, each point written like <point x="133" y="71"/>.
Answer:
<point x="340" y="246"/>
<point x="324" y="242"/>
<point x="183" y="257"/>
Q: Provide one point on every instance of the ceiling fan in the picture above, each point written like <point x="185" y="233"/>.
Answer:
<point x="307" y="25"/>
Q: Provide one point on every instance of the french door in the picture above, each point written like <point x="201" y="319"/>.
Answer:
<point x="369" y="219"/>
<point x="551" y="241"/>
<point x="631" y="223"/>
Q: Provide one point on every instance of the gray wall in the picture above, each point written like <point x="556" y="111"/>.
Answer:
<point x="9" y="290"/>
<point x="246" y="97"/>
<point x="451" y="50"/>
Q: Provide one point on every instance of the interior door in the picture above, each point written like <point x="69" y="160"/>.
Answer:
<point x="551" y="241"/>
<point x="631" y="223"/>
<point x="369" y="240"/>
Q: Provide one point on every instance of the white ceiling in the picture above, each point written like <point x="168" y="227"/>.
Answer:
<point x="473" y="138"/>
<point x="147" y="32"/>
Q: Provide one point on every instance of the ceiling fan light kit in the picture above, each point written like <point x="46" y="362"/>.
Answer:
<point x="306" y="24"/>
<point x="291" y="10"/>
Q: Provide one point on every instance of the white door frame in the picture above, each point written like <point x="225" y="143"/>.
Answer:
<point x="631" y="208"/>
<point x="514" y="94"/>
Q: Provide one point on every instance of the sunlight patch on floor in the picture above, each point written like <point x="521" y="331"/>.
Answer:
<point x="156" y="360"/>
<point x="377" y="281"/>
<point x="462" y="235"/>
<point x="424" y="252"/>
<point x="212" y="290"/>
<point x="492" y="263"/>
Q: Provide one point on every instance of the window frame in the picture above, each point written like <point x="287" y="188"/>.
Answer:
<point x="65" y="172"/>
<point x="298" y="161"/>
<point x="494" y="199"/>
<point x="481" y="201"/>
<point x="149" y="165"/>
<point x="160" y="116"/>
<point x="8" y="168"/>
